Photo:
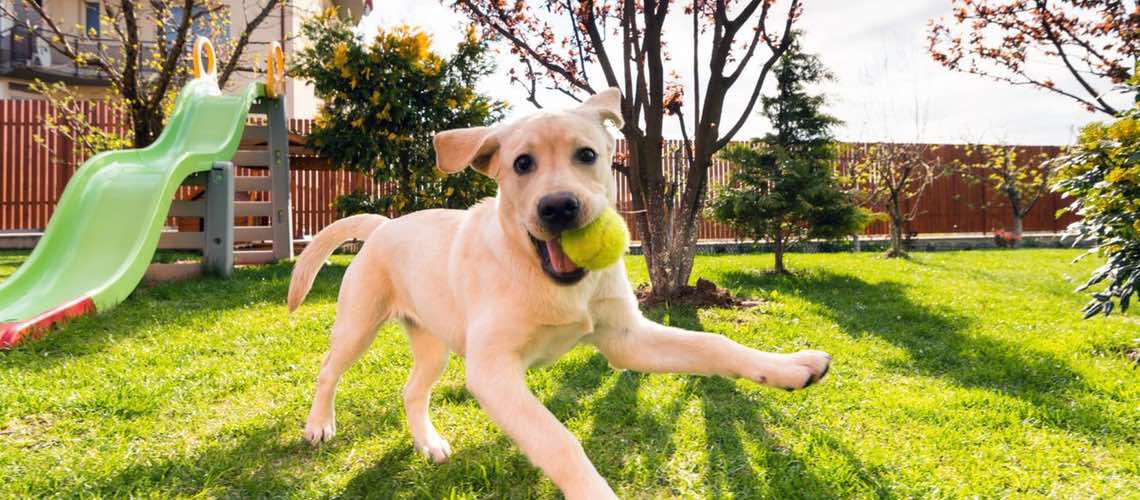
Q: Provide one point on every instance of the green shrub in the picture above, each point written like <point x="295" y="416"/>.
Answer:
<point x="1102" y="173"/>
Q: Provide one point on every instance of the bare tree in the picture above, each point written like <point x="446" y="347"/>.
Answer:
<point x="1020" y="176"/>
<point x="901" y="174"/>
<point x="144" y="73"/>
<point x="564" y="44"/>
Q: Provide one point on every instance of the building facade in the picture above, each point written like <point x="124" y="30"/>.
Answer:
<point x="25" y="58"/>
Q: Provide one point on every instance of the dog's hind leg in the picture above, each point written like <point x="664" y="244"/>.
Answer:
<point x="429" y="359"/>
<point x="360" y="311"/>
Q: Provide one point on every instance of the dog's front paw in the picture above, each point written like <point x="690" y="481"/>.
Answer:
<point x="319" y="430"/>
<point x="815" y="365"/>
<point x="433" y="447"/>
<point x="792" y="371"/>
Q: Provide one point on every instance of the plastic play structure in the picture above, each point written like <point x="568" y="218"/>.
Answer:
<point x="110" y="218"/>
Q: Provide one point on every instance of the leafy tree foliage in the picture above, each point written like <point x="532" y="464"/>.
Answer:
<point x="1092" y="43"/>
<point x="1020" y="177"/>
<point x="384" y="99"/>
<point x="784" y="188"/>
<point x="1103" y="173"/>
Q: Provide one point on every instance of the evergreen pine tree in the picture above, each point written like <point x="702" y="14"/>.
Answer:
<point x="784" y="189"/>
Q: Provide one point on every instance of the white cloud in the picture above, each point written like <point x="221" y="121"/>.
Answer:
<point x="877" y="49"/>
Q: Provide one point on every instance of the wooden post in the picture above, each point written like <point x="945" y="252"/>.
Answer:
<point x="282" y="218"/>
<point x="218" y="255"/>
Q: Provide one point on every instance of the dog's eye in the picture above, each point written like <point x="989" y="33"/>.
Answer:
<point x="524" y="164"/>
<point x="586" y="155"/>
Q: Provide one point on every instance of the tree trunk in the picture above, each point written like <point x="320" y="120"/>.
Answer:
<point x="1018" y="215"/>
<point x="778" y="251"/>
<point x="146" y="124"/>
<point x="668" y="225"/>
<point x="654" y="216"/>
<point x="896" y="249"/>
<point x="670" y="244"/>
<point x="894" y="211"/>
<point x="856" y="243"/>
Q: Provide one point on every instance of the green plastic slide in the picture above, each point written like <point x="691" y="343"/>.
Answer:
<point x="105" y="229"/>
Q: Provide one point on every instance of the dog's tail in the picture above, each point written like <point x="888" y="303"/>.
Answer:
<point x="356" y="227"/>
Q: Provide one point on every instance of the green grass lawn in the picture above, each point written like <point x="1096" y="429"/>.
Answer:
<point x="955" y="374"/>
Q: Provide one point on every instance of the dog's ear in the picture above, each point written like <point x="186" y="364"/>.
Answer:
<point x="456" y="149"/>
<point x="605" y="105"/>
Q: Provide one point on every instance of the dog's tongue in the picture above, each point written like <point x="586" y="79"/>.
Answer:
<point x="558" y="259"/>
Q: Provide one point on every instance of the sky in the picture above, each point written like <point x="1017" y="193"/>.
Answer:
<point x="887" y="87"/>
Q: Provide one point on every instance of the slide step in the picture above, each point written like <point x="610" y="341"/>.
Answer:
<point x="181" y="240"/>
<point x="252" y="158"/>
<point x="249" y="183"/>
<point x="255" y="134"/>
<point x="253" y="209"/>
<point x="248" y="257"/>
<point x="253" y="233"/>
<point x="177" y="271"/>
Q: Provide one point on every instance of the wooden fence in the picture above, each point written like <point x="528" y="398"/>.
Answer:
<point x="955" y="203"/>
<point x="35" y="165"/>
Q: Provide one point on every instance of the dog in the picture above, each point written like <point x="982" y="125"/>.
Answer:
<point x="491" y="284"/>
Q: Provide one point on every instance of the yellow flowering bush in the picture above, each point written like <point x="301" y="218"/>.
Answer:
<point x="385" y="96"/>
<point x="1103" y="174"/>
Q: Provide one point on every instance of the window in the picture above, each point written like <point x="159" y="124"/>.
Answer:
<point x="200" y="26"/>
<point x="91" y="14"/>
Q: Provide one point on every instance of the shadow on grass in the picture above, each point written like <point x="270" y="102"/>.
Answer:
<point x="486" y="469"/>
<point x="274" y="462"/>
<point x="172" y="303"/>
<point x="782" y="473"/>
<point x="620" y="429"/>
<point x="622" y="433"/>
<point x="733" y="425"/>
<point x="259" y="463"/>
<point x="495" y="469"/>
<point x="939" y="346"/>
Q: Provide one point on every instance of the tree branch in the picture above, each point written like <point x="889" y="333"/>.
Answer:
<point x="526" y="48"/>
<point x="1052" y="37"/>
<point x="130" y="88"/>
<point x="243" y="40"/>
<point x="599" y="47"/>
<point x="785" y="40"/>
<point x="172" y="56"/>
<point x="751" y="46"/>
<point x="575" y="28"/>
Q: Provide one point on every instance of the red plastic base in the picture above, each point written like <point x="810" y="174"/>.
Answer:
<point x="12" y="334"/>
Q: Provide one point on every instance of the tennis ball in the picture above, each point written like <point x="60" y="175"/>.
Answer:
<point x="600" y="243"/>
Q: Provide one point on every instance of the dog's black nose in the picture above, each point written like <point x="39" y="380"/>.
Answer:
<point x="558" y="211"/>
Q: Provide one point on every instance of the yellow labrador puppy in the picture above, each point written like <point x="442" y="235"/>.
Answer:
<point x="492" y="284"/>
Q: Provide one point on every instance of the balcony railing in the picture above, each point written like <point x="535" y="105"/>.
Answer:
<point x="25" y="54"/>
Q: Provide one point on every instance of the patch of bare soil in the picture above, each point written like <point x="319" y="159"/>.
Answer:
<point x="704" y="294"/>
